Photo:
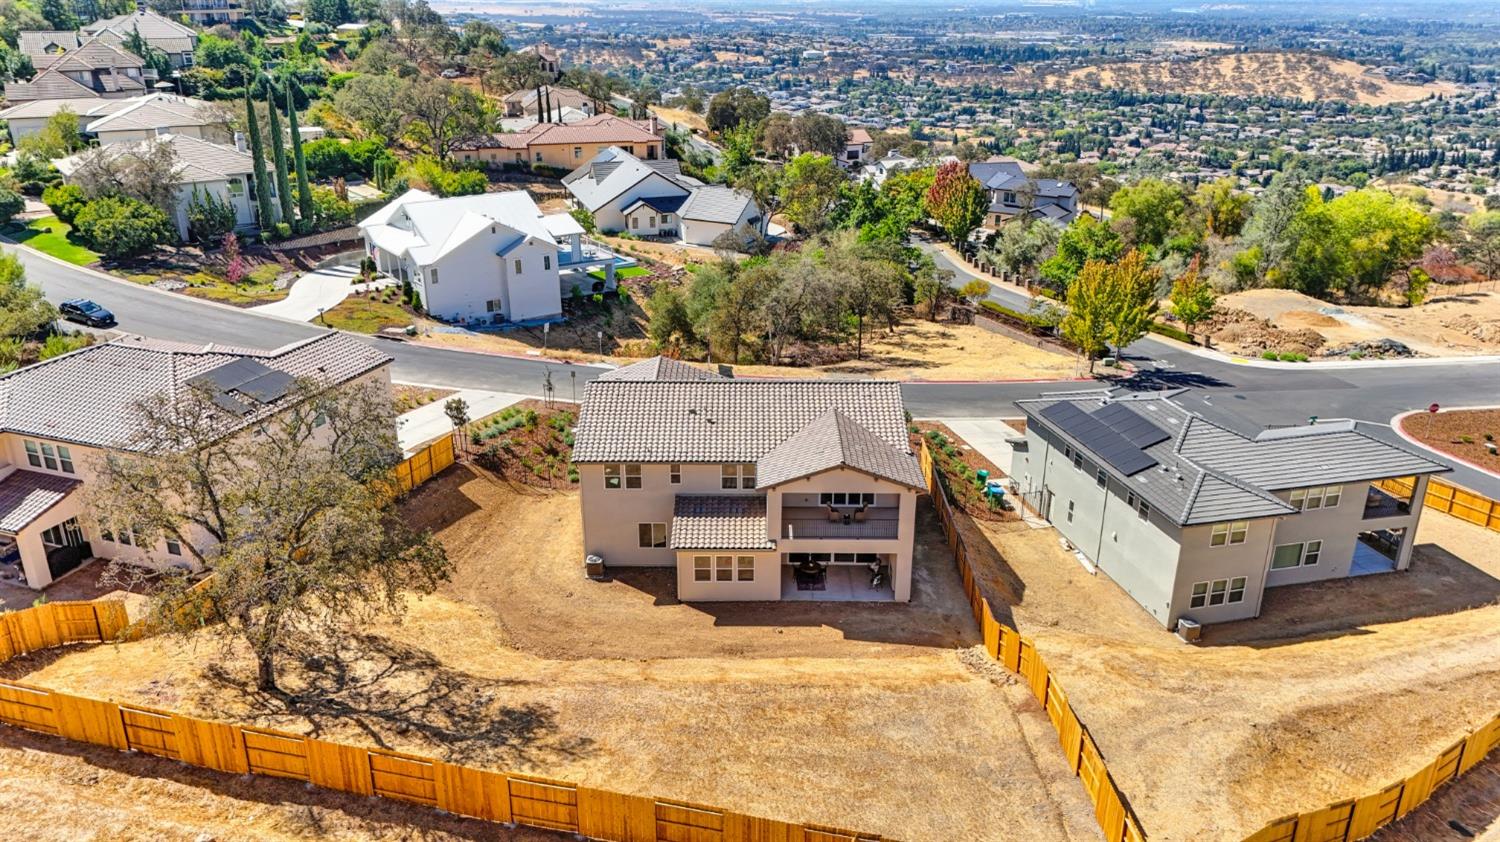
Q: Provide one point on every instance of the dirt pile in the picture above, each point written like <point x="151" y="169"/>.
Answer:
<point x="1485" y="330"/>
<point x="1248" y="333"/>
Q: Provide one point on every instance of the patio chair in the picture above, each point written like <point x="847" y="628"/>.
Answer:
<point x="860" y="514"/>
<point x="834" y="515"/>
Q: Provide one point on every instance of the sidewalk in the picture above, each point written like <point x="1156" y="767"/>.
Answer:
<point x="314" y="293"/>
<point x="429" y="422"/>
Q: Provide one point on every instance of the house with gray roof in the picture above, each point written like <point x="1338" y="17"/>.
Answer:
<point x="98" y="67"/>
<point x="1014" y="192"/>
<point x="1195" y="520"/>
<point x="175" y="39"/>
<point x="652" y="198"/>
<point x="59" y="417"/>
<point x="749" y="489"/>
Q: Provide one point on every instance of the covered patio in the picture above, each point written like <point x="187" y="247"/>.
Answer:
<point x="39" y="513"/>
<point x="836" y="577"/>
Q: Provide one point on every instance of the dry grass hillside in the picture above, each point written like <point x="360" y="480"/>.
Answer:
<point x="1305" y="76"/>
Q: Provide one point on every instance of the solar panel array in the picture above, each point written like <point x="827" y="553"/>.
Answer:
<point x="1127" y="422"/>
<point x="1096" y="436"/>
<point x="245" y="377"/>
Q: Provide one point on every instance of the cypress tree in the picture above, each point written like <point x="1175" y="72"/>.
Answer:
<point x="304" y="186"/>
<point x="278" y="151"/>
<point x="266" y="215"/>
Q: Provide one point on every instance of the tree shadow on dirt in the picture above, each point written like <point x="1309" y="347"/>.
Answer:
<point x="397" y="693"/>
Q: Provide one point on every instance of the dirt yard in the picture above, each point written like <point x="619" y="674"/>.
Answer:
<point x="918" y="350"/>
<point x="1336" y="690"/>
<point x="1460" y="322"/>
<point x="93" y="794"/>
<point x="1460" y="432"/>
<point x="881" y="717"/>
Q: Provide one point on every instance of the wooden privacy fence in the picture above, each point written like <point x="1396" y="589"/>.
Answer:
<point x="463" y="790"/>
<point x="1019" y="655"/>
<point x="422" y="465"/>
<point x="1450" y="499"/>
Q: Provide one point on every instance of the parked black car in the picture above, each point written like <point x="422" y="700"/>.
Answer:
<point x="86" y="312"/>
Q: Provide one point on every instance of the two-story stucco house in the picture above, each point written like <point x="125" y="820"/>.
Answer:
<point x="655" y="199"/>
<point x="1195" y="520"/>
<point x="484" y="259"/>
<point x="1015" y="193"/>
<point x="750" y="489"/>
<point x="59" y="417"/>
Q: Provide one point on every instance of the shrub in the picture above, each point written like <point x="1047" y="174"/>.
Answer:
<point x="1466" y="439"/>
<point x="329" y="211"/>
<point x="1171" y="330"/>
<point x="119" y="225"/>
<point x="327" y="158"/>
<point x="65" y="201"/>
<point x="1269" y="355"/>
<point x="209" y="217"/>
<point x="283" y="230"/>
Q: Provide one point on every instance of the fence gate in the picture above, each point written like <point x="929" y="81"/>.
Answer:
<point x="403" y="778"/>
<point x="76" y="621"/>
<point x="276" y="755"/>
<point x="541" y="804"/>
<point x="150" y="733"/>
<point x="682" y="823"/>
<point x="814" y="833"/>
<point x="24" y="707"/>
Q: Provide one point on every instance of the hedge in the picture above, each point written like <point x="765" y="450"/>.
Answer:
<point x="1172" y="331"/>
<point x="1025" y="321"/>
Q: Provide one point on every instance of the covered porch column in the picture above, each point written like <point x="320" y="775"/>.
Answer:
<point x="1409" y="540"/>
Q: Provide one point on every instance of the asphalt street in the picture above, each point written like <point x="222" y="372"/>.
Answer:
<point x="1241" y="396"/>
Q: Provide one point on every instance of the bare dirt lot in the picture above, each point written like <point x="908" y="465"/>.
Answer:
<point x="1451" y="323"/>
<point x="879" y="717"/>
<point x="93" y="794"/>
<point x="1336" y="690"/>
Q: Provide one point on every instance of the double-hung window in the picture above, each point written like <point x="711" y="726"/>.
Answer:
<point x="52" y="457"/>
<point x="546" y="261"/>
<point x="1217" y="592"/>
<point x="518" y="266"/>
<point x="724" y="568"/>
<point x="1229" y="532"/>
<point x="622" y="476"/>
<point x="1101" y="478"/>
<point x="675" y="474"/>
<point x="1320" y="497"/>
<point x="653" y="535"/>
<point x="745" y="569"/>
<point x="842" y="498"/>
<point x="737" y="476"/>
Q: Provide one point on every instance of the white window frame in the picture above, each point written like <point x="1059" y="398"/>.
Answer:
<point x="432" y="275"/>
<point x="1142" y="509"/>
<point x="846" y="498"/>
<point x="236" y="188"/>
<point x="744" y="568"/>
<point x="1309" y="553"/>
<point x="1230" y="591"/>
<point x="1223" y="533"/>
<point x="703" y="568"/>
<point x="1101" y="478"/>
<point x="1316" y="497"/>
<point x="735" y="476"/>
<point x="674" y="474"/>
<point x="174" y="547"/>
<point x="633" y="475"/>
<point x="723" y="568"/>
<point x="651" y="536"/>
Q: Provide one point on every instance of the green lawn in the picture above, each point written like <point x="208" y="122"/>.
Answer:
<point x="359" y="314"/>
<point x="51" y="235"/>
<point x="627" y="272"/>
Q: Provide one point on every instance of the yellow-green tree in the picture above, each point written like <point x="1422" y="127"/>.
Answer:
<point x="1111" y="304"/>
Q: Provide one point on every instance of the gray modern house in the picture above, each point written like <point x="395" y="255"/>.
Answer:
<point x="1015" y="193"/>
<point x="1195" y="520"/>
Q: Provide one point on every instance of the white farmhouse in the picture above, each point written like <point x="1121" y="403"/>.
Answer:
<point x="484" y="259"/>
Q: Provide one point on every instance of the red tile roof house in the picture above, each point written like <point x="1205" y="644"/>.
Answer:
<point x="568" y="146"/>
<point x="753" y="490"/>
<point x="58" y="417"/>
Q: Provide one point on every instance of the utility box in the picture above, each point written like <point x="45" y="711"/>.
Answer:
<point x="593" y="567"/>
<point x="1189" y="630"/>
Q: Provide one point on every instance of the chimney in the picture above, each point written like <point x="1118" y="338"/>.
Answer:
<point x="239" y="142"/>
<point x="655" y="125"/>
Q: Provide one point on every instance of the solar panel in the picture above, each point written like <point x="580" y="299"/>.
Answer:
<point x="229" y="402"/>
<point x="267" y="387"/>
<point x="1130" y="424"/>
<point x="1094" y="435"/>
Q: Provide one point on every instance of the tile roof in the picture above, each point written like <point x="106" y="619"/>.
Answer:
<point x="1206" y="473"/>
<point x="723" y="420"/>
<point x="601" y="128"/>
<point x="156" y="111"/>
<point x="46" y="46"/>
<point x="660" y="368"/>
<point x="834" y="440"/>
<point x="88" y="106"/>
<point x="715" y="203"/>
<point x="97" y="54"/>
<point x="91" y="396"/>
<point x="198" y="160"/>
<point x="159" y="31"/>
<point x="612" y="172"/>
<point x="27" y="495"/>
<point x="661" y="204"/>
<point x="720" y="522"/>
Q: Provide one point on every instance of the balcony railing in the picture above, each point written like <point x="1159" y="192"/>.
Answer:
<point x="880" y="522"/>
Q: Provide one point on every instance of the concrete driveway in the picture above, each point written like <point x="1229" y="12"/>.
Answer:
<point x="316" y="292"/>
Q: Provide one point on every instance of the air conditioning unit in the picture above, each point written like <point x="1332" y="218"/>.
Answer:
<point x="593" y="567"/>
<point x="1189" y="630"/>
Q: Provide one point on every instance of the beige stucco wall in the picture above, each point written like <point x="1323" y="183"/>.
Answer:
<point x="766" y="585"/>
<point x="805" y="491"/>
<point x="611" y="515"/>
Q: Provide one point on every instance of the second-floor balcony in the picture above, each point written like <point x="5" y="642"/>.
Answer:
<point x="1379" y="504"/>
<point x="872" y="522"/>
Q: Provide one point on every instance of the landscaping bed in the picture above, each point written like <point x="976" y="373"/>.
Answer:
<point x="1461" y="433"/>
<point x="51" y="235"/>
<point x="371" y="312"/>
<point x="959" y="465"/>
<point x="409" y="396"/>
<point x="528" y="442"/>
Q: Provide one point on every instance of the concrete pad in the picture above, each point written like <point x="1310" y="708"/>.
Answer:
<point x="316" y="292"/>
<point x="426" y="423"/>
<point x="986" y="435"/>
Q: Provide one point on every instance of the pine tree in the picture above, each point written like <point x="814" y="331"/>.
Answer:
<point x="258" y="154"/>
<point x="278" y="152"/>
<point x="304" y="183"/>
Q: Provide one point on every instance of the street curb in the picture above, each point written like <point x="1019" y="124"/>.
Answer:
<point x="1443" y="455"/>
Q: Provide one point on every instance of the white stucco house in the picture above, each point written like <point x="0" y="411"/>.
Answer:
<point x="653" y="198"/>
<point x="485" y="259"/>
<point x="224" y="171"/>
